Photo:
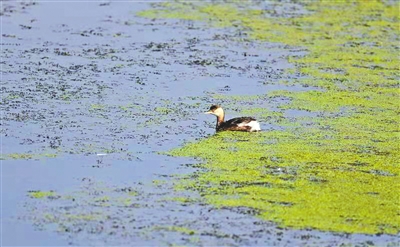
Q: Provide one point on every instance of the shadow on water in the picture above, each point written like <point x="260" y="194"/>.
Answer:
<point x="91" y="94"/>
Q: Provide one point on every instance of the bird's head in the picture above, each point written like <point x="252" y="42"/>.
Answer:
<point x="215" y="110"/>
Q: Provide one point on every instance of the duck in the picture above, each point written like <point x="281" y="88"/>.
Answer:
<point x="248" y="124"/>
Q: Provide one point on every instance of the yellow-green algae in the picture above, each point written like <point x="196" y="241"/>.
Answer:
<point x="175" y="229"/>
<point x="41" y="194"/>
<point x="28" y="156"/>
<point x="340" y="174"/>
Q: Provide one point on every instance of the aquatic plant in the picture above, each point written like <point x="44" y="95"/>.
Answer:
<point x="336" y="171"/>
<point x="174" y="229"/>
<point x="28" y="156"/>
<point x="41" y="194"/>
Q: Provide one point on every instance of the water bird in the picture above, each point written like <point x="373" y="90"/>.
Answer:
<point x="248" y="124"/>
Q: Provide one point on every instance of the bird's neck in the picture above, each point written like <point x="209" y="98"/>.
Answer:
<point x="220" y="119"/>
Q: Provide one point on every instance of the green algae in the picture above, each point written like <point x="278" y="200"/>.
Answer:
<point x="97" y="107"/>
<point x="41" y="194"/>
<point x="133" y="193"/>
<point x="83" y="217"/>
<point x="28" y="156"/>
<point x="317" y="182"/>
<point x="340" y="173"/>
<point x="20" y="156"/>
<point x="183" y="11"/>
<point x="183" y="199"/>
<point x="174" y="229"/>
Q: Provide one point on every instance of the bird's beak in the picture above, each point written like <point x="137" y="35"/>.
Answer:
<point x="208" y="112"/>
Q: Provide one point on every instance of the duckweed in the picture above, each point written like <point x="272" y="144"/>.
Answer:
<point x="341" y="172"/>
<point x="28" y="156"/>
<point x="175" y="229"/>
<point x="20" y="156"/>
<point x="301" y="178"/>
<point x="41" y="194"/>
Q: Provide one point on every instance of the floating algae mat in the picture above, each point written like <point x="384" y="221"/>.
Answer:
<point x="336" y="171"/>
